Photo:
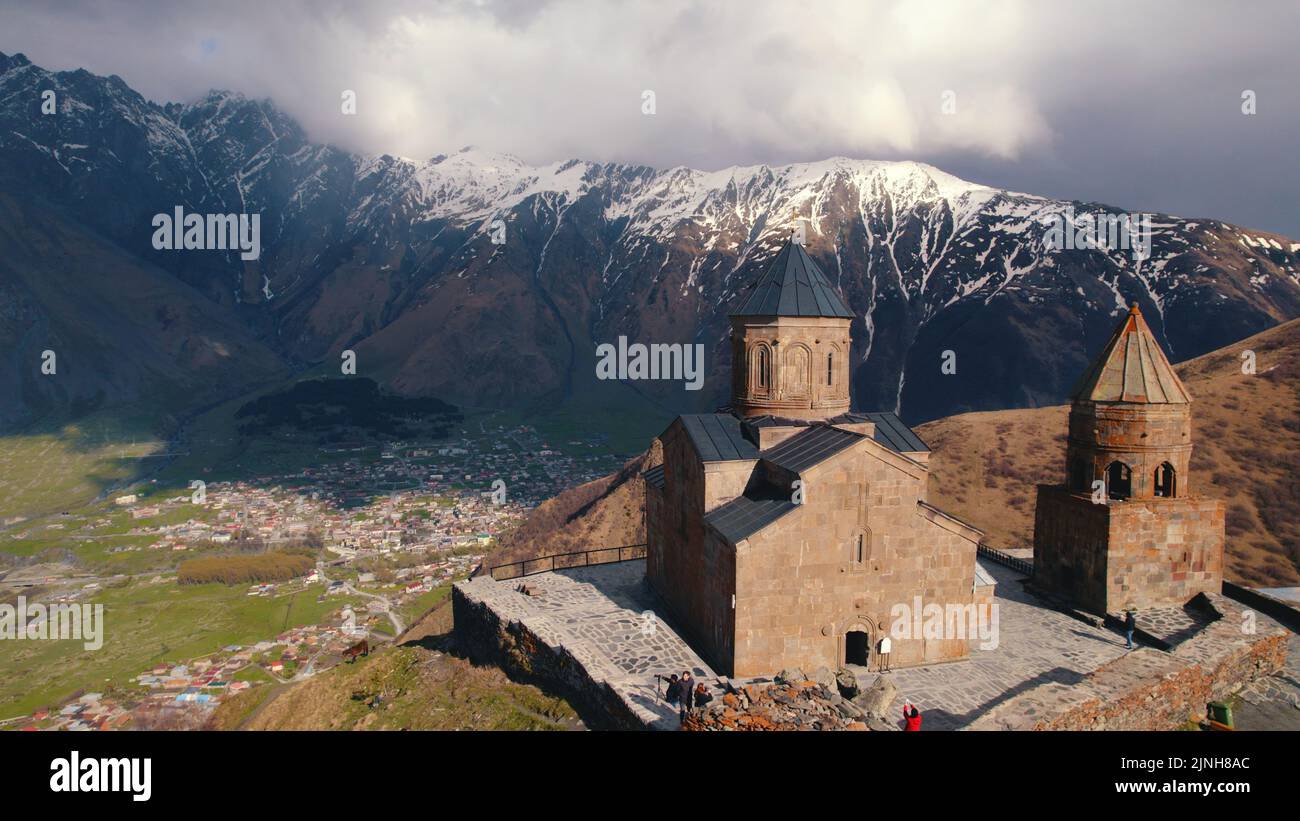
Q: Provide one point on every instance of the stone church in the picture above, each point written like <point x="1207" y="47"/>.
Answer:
<point x="784" y="529"/>
<point x="1126" y="531"/>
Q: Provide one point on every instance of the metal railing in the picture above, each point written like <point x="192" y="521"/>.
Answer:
<point x="1018" y="565"/>
<point x="563" y="561"/>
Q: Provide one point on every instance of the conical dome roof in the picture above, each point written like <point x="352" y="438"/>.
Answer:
<point x="794" y="286"/>
<point x="1131" y="368"/>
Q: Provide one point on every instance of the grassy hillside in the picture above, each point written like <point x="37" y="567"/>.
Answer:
<point x="1246" y="435"/>
<point x="415" y="686"/>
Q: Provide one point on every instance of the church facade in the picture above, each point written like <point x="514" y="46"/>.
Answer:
<point x="786" y="530"/>
<point x="1126" y="531"/>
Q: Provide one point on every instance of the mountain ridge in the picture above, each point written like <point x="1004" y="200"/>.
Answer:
<point x="394" y="258"/>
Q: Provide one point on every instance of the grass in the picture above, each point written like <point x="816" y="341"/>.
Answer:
<point x="58" y="464"/>
<point x="416" y="688"/>
<point x="146" y="624"/>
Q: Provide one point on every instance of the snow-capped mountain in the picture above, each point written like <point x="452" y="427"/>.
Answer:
<point x="395" y="258"/>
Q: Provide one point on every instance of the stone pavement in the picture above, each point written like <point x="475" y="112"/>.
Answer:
<point x="1171" y="625"/>
<point x="1273" y="703"/>
<point x="609" y="619"/>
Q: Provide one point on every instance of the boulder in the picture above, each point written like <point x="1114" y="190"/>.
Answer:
<point x="879" y="697"/>
<point x="847" y="682"/>
<point x="825" y="678"/>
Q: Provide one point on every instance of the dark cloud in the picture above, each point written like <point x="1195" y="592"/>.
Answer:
<point x="1134" y="104"/>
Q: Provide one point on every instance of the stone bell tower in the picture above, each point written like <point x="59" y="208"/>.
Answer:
<point x="790" y="343"/>
<point x="1125" y="531"/>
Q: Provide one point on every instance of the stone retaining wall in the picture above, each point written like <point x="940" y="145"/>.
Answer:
<point x="487" y="638"/>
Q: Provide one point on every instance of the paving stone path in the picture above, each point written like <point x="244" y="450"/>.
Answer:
<point x="1273" y="703"/>
<point x="607" y="617"/>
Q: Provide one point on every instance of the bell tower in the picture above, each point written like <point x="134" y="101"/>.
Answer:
<point x="1130" y="420"/>
<point x="790" y="343"/>
<point x="1125" y="530"/>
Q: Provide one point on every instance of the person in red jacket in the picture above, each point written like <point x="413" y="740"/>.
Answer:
<point x="912" y="716"/>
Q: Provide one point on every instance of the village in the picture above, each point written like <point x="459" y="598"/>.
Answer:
<point x="390" y="529"/>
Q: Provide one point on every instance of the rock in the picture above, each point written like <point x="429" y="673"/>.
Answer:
<point x="878" y="698"/>
<point x="790" y="675"/>
<point x="847" y="682"/>
<point x="824" y="677"/>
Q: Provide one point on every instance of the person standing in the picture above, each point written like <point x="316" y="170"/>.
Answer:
<point x="686" y="691"/>
<point x="911" y="718"/>
<point x="884" y="648"/>
<point x="1130" y="624"/>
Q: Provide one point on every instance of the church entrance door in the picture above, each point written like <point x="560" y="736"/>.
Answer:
<point x="857" y="646"/>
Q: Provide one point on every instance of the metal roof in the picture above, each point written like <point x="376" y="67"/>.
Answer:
<point x="746" y="515"/>
<point x="1131" y="368"/>
<point x="893" y="434"/>
<point x="655" y="476"/>
<point x="717" y="437"/>
<point x="812" y="446"/>
<point x="794" y="286"/>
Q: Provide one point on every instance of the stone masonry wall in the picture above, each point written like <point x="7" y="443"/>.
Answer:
<point x="1163" y="552"/>
<point x="485" y="637"/>
<point x="1070" y="534"/>
<point x="800" y="589"/>
<point x="1132" y="554"/>
<point x="691" y="571"/>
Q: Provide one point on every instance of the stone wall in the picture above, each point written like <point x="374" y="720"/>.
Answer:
<point x="797" y="348"/>
<point x="1163" y="552"/>
<point x="1149" y="689"/>
<point x="800" y="588"/>
<point x="691" y="570"/>
<point x="487" y="638"/>
<point x="1070" y="534"/>
<point x="1131" y="554"/>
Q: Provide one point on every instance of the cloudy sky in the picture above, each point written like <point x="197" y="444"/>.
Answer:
<point x="1134" y="104"/>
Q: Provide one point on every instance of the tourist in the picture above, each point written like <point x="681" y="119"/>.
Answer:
<point x="674" y="689"/>
<point x="686" y="687"/>
<point x="912" y="717"/>
<point x="702" y="695"/>
<point x="1130" y="624"/>
<point x="884" y="649"/>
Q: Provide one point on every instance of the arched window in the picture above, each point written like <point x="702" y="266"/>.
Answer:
<point x="1166" y="484"/>
<point x="830" y="368"/>
<point x="1119" y="481"/>
<point x="860" y="548"/>
<point x="764" y="367"/>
